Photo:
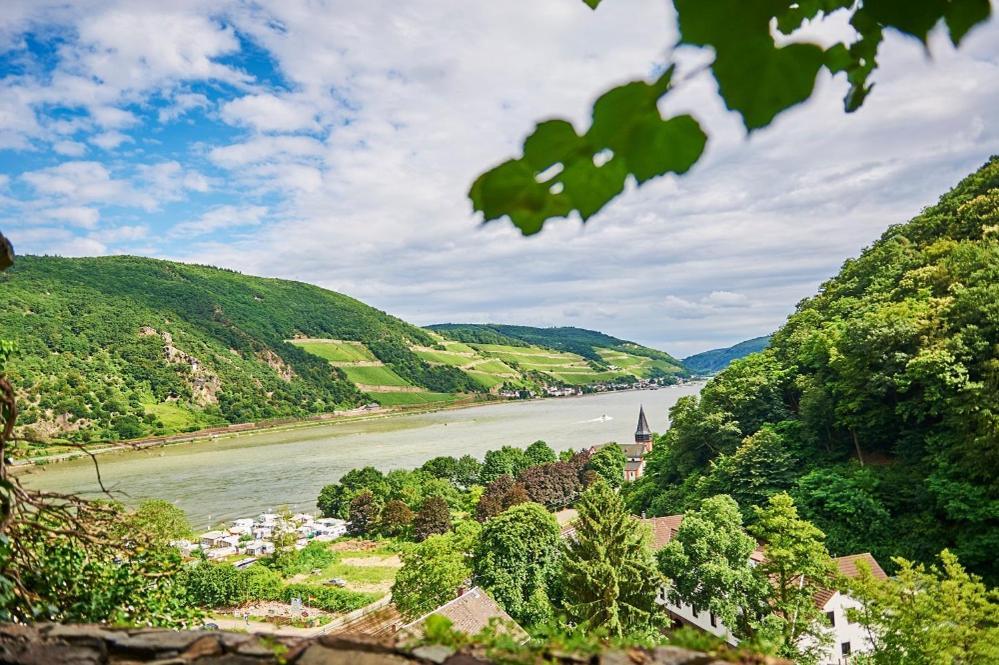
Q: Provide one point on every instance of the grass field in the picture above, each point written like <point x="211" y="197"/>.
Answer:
<point x="405" y="399"/>
<point x="175" y="417"/>
<point x="335" y="351"/>
<point x="364" y="568"/>
<point x="486" y="380"/>
<point x="445" y="358"/>
<point x="374" y="376"/>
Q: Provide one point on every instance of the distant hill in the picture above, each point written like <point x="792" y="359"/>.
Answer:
<point x="606" y="355"/>
<point x="125" y="347"/>
<point x="715" y="360"/>
<point x="121" y="347"/>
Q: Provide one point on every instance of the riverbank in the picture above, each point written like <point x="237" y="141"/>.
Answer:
<point x="360" y="414"/>
<point x="240" y="429"/>
<point x="247" y="473"/>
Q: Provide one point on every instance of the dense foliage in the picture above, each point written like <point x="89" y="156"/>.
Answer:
<point x="763" y="64"/>
<point x="715" y="360"/>
<point x="121" y="347"/>
<point x="924" y="615"/>
<point x="876" y="404"/>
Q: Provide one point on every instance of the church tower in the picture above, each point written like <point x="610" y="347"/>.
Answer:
<point x="643" y="434"/>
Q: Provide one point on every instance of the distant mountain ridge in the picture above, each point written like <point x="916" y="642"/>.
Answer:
<point x="124" y="347"/>
<point x="715" y="360"/>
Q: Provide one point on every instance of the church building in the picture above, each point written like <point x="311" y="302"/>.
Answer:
<point x="635" y="452"/>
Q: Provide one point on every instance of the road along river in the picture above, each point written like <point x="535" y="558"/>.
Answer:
<point x="244" y="475"/>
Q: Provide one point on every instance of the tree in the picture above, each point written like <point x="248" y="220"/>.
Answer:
<point x="553" y="485"/>
<point x="608" y="463"/>
<point x="507" y="461"/>
<point x="433" y="571"/>
<point x="540" y="452"/>
<point x="610" y="579"/>
<point x="216" y="585"/>
<point x="262" y="583"/>
<point x="334" y="500"/>
<point x="441" y="467"/>
<point x="517" y="558"/>
<point x="434" y="517"/>
<point x="924" y="615"/>
<point x="707" y="563"/>
<point x="846" y="506"/>
<point x="499" y="495"/>
<point x="797" y="566"/>
<point x="467" y="472"/>
<point x="364" y="513"/>
<point x="161" y="520"/>
<point x="762" y="67"/>
<point x="396" y="518"/>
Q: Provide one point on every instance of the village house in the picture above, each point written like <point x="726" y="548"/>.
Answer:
<point x="847" y="638"/>
<point x="634" y="453"/>
<point x="470" y="613"/>
<point x="211" y="539"/>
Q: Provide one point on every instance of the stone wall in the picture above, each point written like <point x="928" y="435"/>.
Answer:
<point x="49" y="644"/>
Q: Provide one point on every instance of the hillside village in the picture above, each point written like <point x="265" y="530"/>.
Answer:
<point x="245" y="541"/>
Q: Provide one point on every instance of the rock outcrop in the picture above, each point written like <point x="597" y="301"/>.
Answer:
<point x="45" y="644"/>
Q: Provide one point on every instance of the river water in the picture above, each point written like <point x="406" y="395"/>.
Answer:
<point x="245" y="475"/>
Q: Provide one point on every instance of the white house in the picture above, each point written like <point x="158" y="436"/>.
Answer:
<point x="212" y="539"/>
<point x="258" y="547"/>
<point x="220" y="552"/>
<point x="847" y="638"/>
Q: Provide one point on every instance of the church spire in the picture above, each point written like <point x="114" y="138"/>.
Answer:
<point x="642" y="433"/>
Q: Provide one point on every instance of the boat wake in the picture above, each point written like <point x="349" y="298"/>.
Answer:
<point x="602" y="419"/>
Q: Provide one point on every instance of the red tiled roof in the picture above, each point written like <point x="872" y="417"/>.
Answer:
<point x="848" y="566"/>
<point x="470" y="613"/>
<point x="663" y="529"/>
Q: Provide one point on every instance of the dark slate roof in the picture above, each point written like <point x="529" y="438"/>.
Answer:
<point x="642" y="432"/>
<point x="633" y="450"/>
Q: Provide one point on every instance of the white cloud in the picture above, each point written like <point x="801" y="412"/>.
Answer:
<point x="269" y="113"/>
<point x="69" y="148"/>
<point x="181" y="104"/>
<point x="221" y="217"/>
<point x="75" y="215"/>
<point x="110" y="140"/>
<point x="405" y="104"/>
<point x="265" y="149"/>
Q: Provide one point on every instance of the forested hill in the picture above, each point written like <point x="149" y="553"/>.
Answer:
<point x="715" y="360"/>
<point x="876" y="405"/>
<point x="124" y="347"/>
<point x="586" y="343"/>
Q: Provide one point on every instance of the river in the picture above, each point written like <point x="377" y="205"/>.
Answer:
<point x="244" y="475"/>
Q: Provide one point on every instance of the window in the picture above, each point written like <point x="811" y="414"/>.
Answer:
<point x="845" y="648"/>
<point x="714" y="620"/>
<point x="832" y="618"/>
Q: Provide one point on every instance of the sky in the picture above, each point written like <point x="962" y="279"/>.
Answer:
<point x="334" y="143"/>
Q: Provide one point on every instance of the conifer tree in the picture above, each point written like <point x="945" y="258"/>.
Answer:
<point x="609" y="574"/>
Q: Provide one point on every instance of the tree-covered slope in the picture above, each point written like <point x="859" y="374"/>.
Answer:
<point x="582" y="342"/>
<point x="715" y="360"/>
<point x="119" y="347"/>
<point x="876" y="404"/>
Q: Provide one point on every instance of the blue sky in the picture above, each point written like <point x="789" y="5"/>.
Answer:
<point x="333" y="142"/>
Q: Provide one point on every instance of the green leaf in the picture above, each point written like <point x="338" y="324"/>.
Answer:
<point x="590" y="187"/>
<point x="963" y="15"/>
<point x="760" y="81"/>
<point x="837" y="58"/>
<point x="659" y="146"/>
<point x="908" y="16"/>
<point x="550" y="143"/>
<point x="592" y="4"/>
<point x="725" y="24"/>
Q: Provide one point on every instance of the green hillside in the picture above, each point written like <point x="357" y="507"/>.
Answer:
<point x="569" y="355"/>
<point x="122" y="347"/>
<point x="876" y="405"/>
<point x="715" y="360"/>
